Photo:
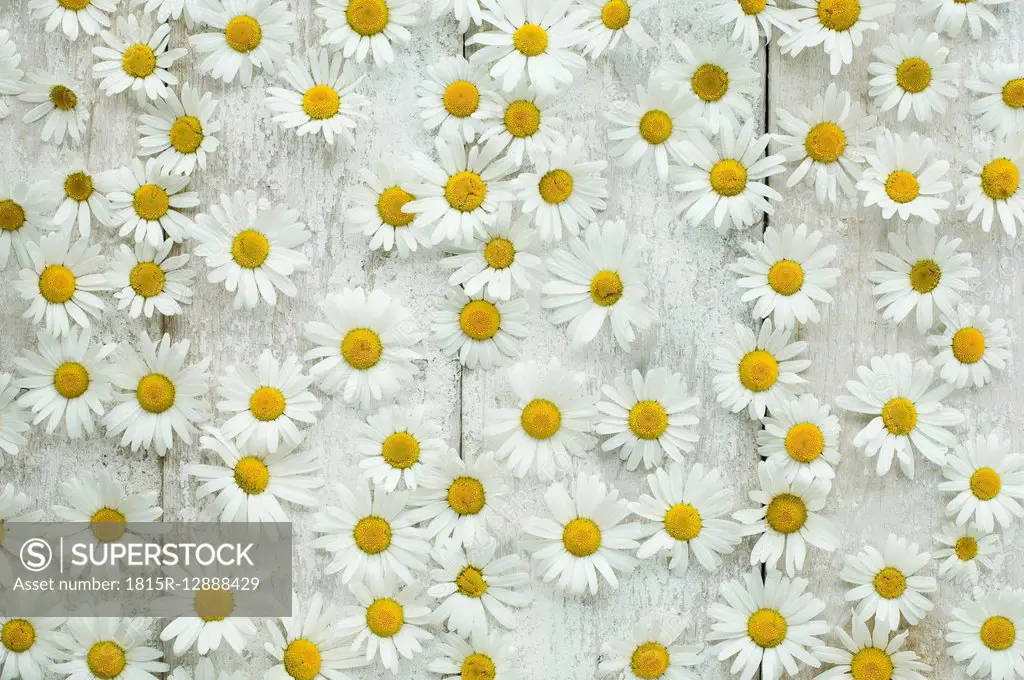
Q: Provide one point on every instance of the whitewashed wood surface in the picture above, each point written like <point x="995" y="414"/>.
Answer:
<point x="558" y="636"/>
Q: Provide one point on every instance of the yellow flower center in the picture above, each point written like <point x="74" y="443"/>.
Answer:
<point x="139" y="60"/>
<point x="615" y="14"/>
<point x="522" y="118"/>
<point x="18" y="635"/>
<point x="968" y="345"/>
<point x="147" y="279"/>
<point x="471" y="582"/>
<point x="400" y="450"/>
<point x="385" y="617"/>
<point x="106" y="660"/>
<point x="57" y="284"/>
<point x="556" y="186"/>
<point x="372" y="535"/>
<point x="74" y="5"/>
<point x="12" y="215"/>
<point x="71" y="380"/>
<point x="390" y="204"/>
<point x="267" y="403"/>
<point x="606" y="288"/>
<point x="361" y="348"/>
<point x="541" y="419"/>
<point x="530" y="39"/>
<point x="966" y="548"/>
<point x="367" y="17"/>
<point x="758" y="370"/>
<point x="648" y="419"/>
<point x="902" y="187"/>
<point x="250" y="249"/>
<point x="752" y="7"/>
<point x="243" y="33"/>
<point x="986" y="484"/>
<point x="1000" y="179"/>
<point x="461" y="98"/>
<point x="466" y="496"/>
<point x="1013" y="93"/>
<point x="914" y="75"/>
<point x="838" y="15"/>
<point x="767" y="628"/>
<point x="478" y="666"/>
<point x="728" y="177"/>
<point x="465" y="191"/>
<point x="786" y="513"/>
<point x="825" y="142"/>
<point x="581" y="537"/>
<point x="805" y="442"/>
<point x="710" y="82"/>
<point x="649" y="660"/>
<point x="213" y="604"/>
<point x="107" y="524"/>
<point x="78" y="186"/>
<point x="786" y="277"/>
<point x="499" y="253"/>
<point x="252" y="475"/>
<point x="871" y="663"/>
<point x="302" y="660"/>
<point x="683" y="522"/>
<point x="899" y="415"/>
<point x="151" y="202"/>
<point x="321" y="102"/>
<point x="155" y="393"/>
<point x="63" y="98"/>
<point x="998" y="633"/>
<point x="480" y="320"/>
<point x="925" y="276"/>
<point x="890" y="583"/>
<point x="656" y="127"/>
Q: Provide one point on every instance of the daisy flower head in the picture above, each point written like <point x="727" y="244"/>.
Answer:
<point x="61" y="282"/>
<point x="137" y="58"/>
<point x="205" y="669"/>
<point x="999" y="102"/>
<point x="751" y="19"/>
<point x="396" y="444"/>
<point x="971" y="347"/>
<point x="366" y="349"/>
<point x="10" y="73"/>
<point x="786" y="274"/>
<point x="565" y="191"/>
<point x="887" y="583"/>
<point x="873" y="651"/>
<point x="307" y="646"/>
<point x="900" y="180"/>
<point x="994" y="189"/>
<point x="604" y="22"/>
<point x="74" y="16"/>
<point x="652" y="649"/>
<point x="988" y="482"/>
<point x="247" y="35"/>
<point x="59" y="101"/>
<point x="149" y="279"/>
<point x="598" y="276"/>
<point x="759" y="372"/>
<point x="801" y="437"/>
<point x="14" y="419"/>
<point x="21" y="219"/>
<point x="479" y="655"/>
<point x="687" y="512"/>
<point x="458" y="501"/>
<point x="147" y="202"/>
<point x="530" y="42"/>
<point x="367" y="27"/>
<point x="377" y="208"/>
<point x="213" y="619"/>
<point x="252" y="247"/>
<point x="455" y="96"/>
<point x="649" y="418"/>
<point x="911" y="73"/>
<point x="987" y="635"/>
<point x="474" y="586"/>
<point x="723" y="178"/>
<point x="13" y="509"/>
<point x="464" y="11"/>
<point x="389" y="621"/>
<point x="585" y="536"/>
<point x="482" y="331"/>
<point x="179" y="132"/>
<point x="525" y="121"/>
<point x="160" y="396"/>
<point x="551" y="421"/>
<point x="29" y="645"/>
<point x="951" y="15"/>
<point x="830" y="139"/>
<point x="922" y="272"/>
<point x="907" y="414"/>
<point x="767" y="625"/>
<point x="964" y="551"/>
<point x="502" y="257"/>
<point x="109" y="648"/>
<point x="166" y="10"/>
<point x="101" y="502"/>
<point x="321" y="97"/>
<point x="248" y="483"/>
<point x="80" y="197"/>
<point x="838" y="25"/>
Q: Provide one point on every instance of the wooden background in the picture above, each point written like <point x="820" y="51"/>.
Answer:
<point x="697" y="299"/>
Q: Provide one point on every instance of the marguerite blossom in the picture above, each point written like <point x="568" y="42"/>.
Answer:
<point x="59" y="101"/>
<point x="30" y="644"/>
<point x="147" y="202"/>
<point x="652" y="650"/>
<point x="912" y="74"/>
<point x="480" y="330"/>
<point x="971" y="347"/>
<point x="14" y="419"/>
<point x="986" y="635"/>
<point x="991" y="189"/>
<point x="109" y="648"/>
<point x="377" y="208"/>
<point x="72" y="16"/>
<point x="998" y="98"/>
<point x="137" y="58"/>
<point x="951" y="15"/>
<point x="179" y="132"/>
<point x="396" y="444"/>
<point x="358" y="28"/>
<point x="79" y="196"/>
<point x="171" y="9"/>
<point x="887" y="583"/>
<point x="964" y="551"/>
<point x="148" y="279"/>
<point x="605" y="22"/>
<point x="525" y="122"/>
<point x="900" y="179"/>
<point x="751" y="19"/>
<point x="390" y="622"/>
<point x="21" y="219"/>
<point x="308" y="646"/>
<point x="101" y="502"/>
<point x="988" y="482"/>
<point x="208" y="618"/>
<point x="871" y="652"/>
<point x="13" y="505"/>
<point x="10" y="73"/>
<point x="802" y="437"/>
<point x="458" y="500"/>
<point x="838" y="25"/>
<point x="476" y="655"/>
<point x="464" y="11"/>
<point x="246" y="35"/>
<point x="455" y="97"/>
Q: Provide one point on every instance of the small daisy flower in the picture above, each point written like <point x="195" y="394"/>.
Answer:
<point x="101" y="502"/>
<point x="474" y="586"/>
<point x="951" y="15"/>
<point x="906" y="409"/>
<point x="109" y="648"/>
<point x="171" y="9"/>
<point x="751" y="19"/>
<point x="598" y="277"/>
<point x="604" y="22"/>
<point x="501" y="258"/>
<point x="769" y="626"/>
<point x="886" y="583"/>
<point x="986" y="635"/>
<point x="396" y="445"/>
<point x="565" y="192"/>
<point x="149" y="279"/>
<point x="454" y="97"/>
<point x="247" y="35"/>
<point x="964" y="551"/>
<point x="13" y="506"/>
<point x="21" y="219"/>
<point x="837" y="25"/>
<point x="999" y="103"/>
<point x="722" y="178"/>
<point x="786" y="274"/>
<point x="759" y="372"/>
<point x="871" y="651"/>
<point x="651" y="650"/>
<point x="59" y="101"/>
<point x="530" y="42"/>
<point x="900" y="180"/>
<point x="204" y="669"/>
<point x="14" y="419"/>
<point x="921" y="272"/>
<point x="147" y="202"/>
<point x="61" y="281"/>
<point x="482" y="331"/>
<point x="458" y="500"/>
<point x="367" y="27"/>
<point x="179" y="132"/>
<point x="830" y="139"/>
<point x="307" y="645"/>
<point x="29" y="645"/>
<point x="476" y="656"/>
<point x="524" y="121"/>
<point x="388" y="621"/>
<point x="994" y="189"/>
<point x="801" y="437"/>
<point x="137" y="57"/>
<point x="10" y="73"/>
<point x="551" y="421"/>
<point x="322" y="98"/>
<point x="912" y="73"/>
<point x="89" y="16"/>
<point x="80" y="197"/>
<point x="248" y="484"/>
<point x="988" y="482"/>
<point x="377" y="210"/>
<point x="971" y="347"/>
<point x="584" y="537"/>
<point x="649" y="418"/>
<point x="210" y="622"/>
<point x="687" y="512"/>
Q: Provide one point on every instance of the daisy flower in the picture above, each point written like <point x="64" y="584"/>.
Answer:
<point x="801" y="437"/>
<point x="786" y="274"/>
<point x="988" y="482"/>
<point x="461" y="191"/>
<point x="247" y="35"/>
<point x="481" y="331"/>
<point x="687" y="512"/>
<point x="396" y="444"/>
<point x="248" y="484"/>
<point x="147" y="202"/>
<point x="565" y="191"/>
<point x="10" y="73"/>
<point x="13" y="506"/>
<point x="252" y="247"/>
<point x="722" y="178"/>
<point x="523" y="121"/>
<point x="210" y="623"/>
<point x="322" y="98"/>
<point x="307" y="645"/>
<point x="751" y="19"/>
<point x="477" y="656"/>
<point x="30" y="644"/>
<point x="829" y="139"/>
<point x="474" y="586"/>
<point x="89" y="16"/>
<point x="907" y="415"/>
<point x="371" y="535"/>
<point x="871" y="651"/>
<point x="604" y="22"/>
<point x="759" y="372"/>
<point x="361" y="27"/>
<point x="598" y="277"/>
<point x="994" y="189"/>
<point x="912" y="73"/>
<point x="171" y="9"/>
<point x="921" y="273"/>
<point x="377" y="210"/>
<point x="205" y="669"/>
<point x="79" y="196"/>
<point x="366" y="349"/>
<point x="179" y="132"/>
<point x="964" y="551"/>
<point x="886" y="583"/>
<point x="999" y="106"/>
<point x="61" y="281"/>
<point x="454" y="97"/>
<point x="649" y="418"/>
<point x="137" y="57"/>
<point x="950" y="15"/>
<point x="149" y="279"/>
<point x="160" y="396"/>
<point x="768" y="626"/>
<point x="971" y="347"/>
<point x="21" y="219"/>
<point x="530" y="42"/>
<point x="987" y="635"/>
<point x="551" y="421"/>
<point x="837" y="25"/>
<point x="464" y="11"/>
<point x="651" y="650"/>
<point x="458" y="500"/>
<point x="109" y="648"/>
<point x="101" y="502"/>
<point x="14" y="420"/>
<point x="267" y="403"/>
<point x="502" y="257"/>
<point x="56" y="99"/>
<point x="388" y="621"/>
<point x="900" y="180"/>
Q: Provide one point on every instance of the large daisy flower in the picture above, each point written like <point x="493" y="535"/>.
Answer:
<point x="247" y="35"/>
<point x="751" y="19"/>
<point x="652" y="650"/>
<point x="377" y="208"/>
<point x="478" y="655"/>
<point x="21" y="219"/>
<point x="971" y="347"/>
<point x="993" y="190"/>
<point x="987" y="635"/>
<point x="147" y="202"/>
<point x="29" y="645"/>
<point x="388" y="621"/>
<point x="988" y="482"/>
<point x="137" y="57"/>
<point x="10" y="73"/>
<point x="464" y="11"/>
<point x="999" y="92"/>
<point x="900" y="180"/>
<point x="911" y="75"/>
<point x="455" y="96"/>
<point x="951" y="15"/>
<point x="13" y="506"/>
<point x="308" y="646"/>
<point x="148" y="279"/>
<point x="838" y="25"/>
<point x="79" y="196"/>
<point x="101" y="503"/>
<point x="524" y="121"/>
<point x="179" y="132"/>
<point x="367" y="27"/>
<point x="109" y="648"/>
<point x="72" y="16"/>
<point x="604" y="22"/>
<point x="59" y="101"/>
<point x="802" y="437"/>
<point x="886" y="583"/>
<point x="14" y="419"/>
<point x="964" y="550"/>
<point x="483" y="332"/>
<point x="396" y="444"/>
<point x="871" y="651"/>
<point x="210" y="621"/>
